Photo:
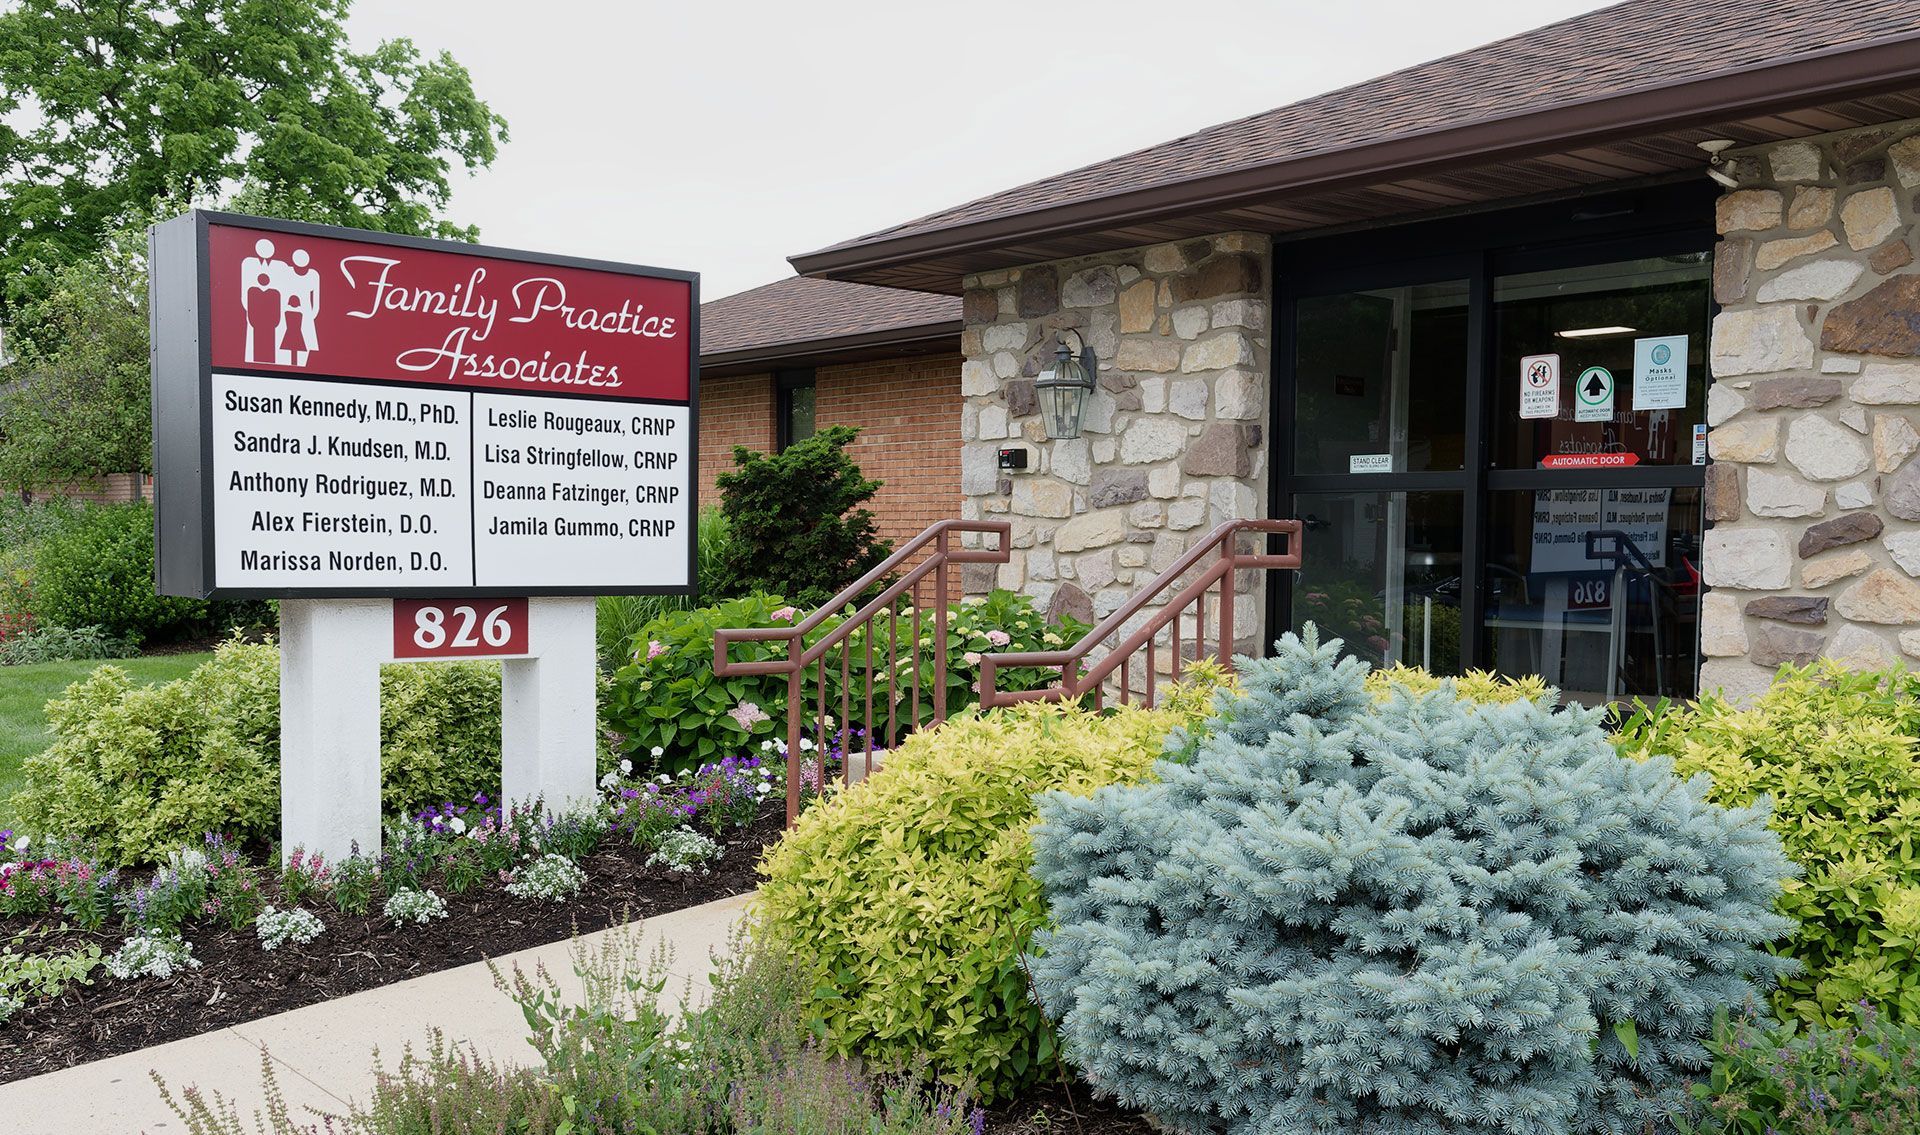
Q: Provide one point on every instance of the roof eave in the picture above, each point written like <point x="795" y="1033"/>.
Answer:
<point x="926" y="335"/>
<point x="1850" y="72"/>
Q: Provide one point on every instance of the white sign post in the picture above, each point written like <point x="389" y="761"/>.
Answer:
<point x="425" y="450"/>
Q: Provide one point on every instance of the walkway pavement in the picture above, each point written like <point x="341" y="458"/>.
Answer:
<point x="322" y="1054"/>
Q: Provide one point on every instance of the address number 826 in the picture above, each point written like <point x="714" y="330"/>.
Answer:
<point x="434" y="628"/>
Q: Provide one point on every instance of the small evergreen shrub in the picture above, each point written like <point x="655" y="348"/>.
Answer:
<point x="135" y="771"/>
<point x="796" y="521"/>
<point x="1420" y="915"/>
<point x="1837" y="754"/>
<point x="98" y="572"/>
<point x="907" y="901"/>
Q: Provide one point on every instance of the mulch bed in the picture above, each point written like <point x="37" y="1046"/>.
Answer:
<point x="1060" y="1109"/>
<point x="238" y="981"/>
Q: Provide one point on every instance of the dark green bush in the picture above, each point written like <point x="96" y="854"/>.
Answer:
<point x="98" y="572"/>
<point x="798" y="528"/>
<point x="137" y="770"/>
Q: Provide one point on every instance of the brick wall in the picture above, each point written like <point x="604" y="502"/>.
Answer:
<point x="908" y="412"/>
<point x="733" y="411"/>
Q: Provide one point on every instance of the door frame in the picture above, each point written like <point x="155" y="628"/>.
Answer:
<point x="1641" y="222"/>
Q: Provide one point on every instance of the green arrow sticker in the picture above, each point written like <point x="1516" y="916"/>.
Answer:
<point x="1593" y="395"/>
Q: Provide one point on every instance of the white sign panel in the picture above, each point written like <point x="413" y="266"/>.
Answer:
<point x="1562" y="518"/>
<point x="1370" y="463"/>
<point x="1660" y="373"/>
<point x="1539" y="386"/>
<point x="1593" y="395"/>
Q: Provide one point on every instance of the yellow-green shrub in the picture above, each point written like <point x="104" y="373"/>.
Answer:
<point x="908" y="896"/>
<point x="138" y="770"/>
<point x="1482" y="686"/>
<point x="1839" y="754"/>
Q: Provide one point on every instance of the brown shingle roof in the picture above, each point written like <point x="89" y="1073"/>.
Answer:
<point x="1632" y="47"/>
<point x="798" y="312"/>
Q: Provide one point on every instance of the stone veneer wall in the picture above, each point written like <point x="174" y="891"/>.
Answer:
<point x="1171" y="444"/>
<point x="1814" y="495"/>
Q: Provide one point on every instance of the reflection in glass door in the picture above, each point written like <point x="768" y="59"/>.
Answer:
<point x="1385" y="575"/>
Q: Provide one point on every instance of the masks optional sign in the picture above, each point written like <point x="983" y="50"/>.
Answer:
<point x="344" y="413"/>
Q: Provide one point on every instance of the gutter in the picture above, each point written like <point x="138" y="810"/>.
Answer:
<point x="1837" y="73"/>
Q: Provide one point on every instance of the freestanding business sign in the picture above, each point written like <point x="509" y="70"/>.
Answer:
<point x="346" y="419"/>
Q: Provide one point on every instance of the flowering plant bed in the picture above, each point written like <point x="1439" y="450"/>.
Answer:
<point x="98" y="963"/>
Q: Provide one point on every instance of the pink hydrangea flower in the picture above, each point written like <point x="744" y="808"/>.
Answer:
<point x="972" y="657"/>
<point x="746" y="714"/>
<point x="655" y="648"/>
<point x="785" y="614"/>
<point x="999" y="638"/>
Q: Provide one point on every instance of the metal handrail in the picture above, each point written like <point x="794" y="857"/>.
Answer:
<point x="799" y="656"/>
<point x="1076" y="678"/>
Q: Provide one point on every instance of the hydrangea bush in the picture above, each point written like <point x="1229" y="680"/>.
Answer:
<point x="1415" y="916"/>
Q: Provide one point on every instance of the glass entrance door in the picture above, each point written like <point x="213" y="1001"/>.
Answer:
<point x="1498" y="454"/>
<point x="1380" y="452"/>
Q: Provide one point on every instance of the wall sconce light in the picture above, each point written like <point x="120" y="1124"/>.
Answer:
<point x="1063" y="391"/>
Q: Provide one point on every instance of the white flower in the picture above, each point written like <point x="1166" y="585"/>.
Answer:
<point x="626" y="768"/>
<point x="806" y="744"/>
<point x="21" y="843"/>
<point x="658" y="751"/>
<point x="609" y="780"/>
<point x="663" y="778"/>
<point x="458" y="825"/>
<point x="767" y="745"/>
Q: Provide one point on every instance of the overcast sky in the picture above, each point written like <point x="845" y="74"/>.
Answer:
<point x="724" y="137"/>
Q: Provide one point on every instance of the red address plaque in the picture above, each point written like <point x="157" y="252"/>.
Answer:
<point x="459" y="628"/>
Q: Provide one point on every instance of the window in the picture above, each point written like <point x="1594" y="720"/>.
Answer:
<point x="794" y="405"/>
<point x="1446" y="529"/>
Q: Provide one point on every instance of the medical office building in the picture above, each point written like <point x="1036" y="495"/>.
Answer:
<point x="1592" y="353"/>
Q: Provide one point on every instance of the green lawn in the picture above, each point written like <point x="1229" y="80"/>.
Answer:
<point x="25" y="691"/>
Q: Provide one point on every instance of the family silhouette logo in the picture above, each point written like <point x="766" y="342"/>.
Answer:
<point x="281" y="301"/>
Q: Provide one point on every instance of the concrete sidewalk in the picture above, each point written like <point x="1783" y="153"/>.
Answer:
<point x="323" y="1054"/>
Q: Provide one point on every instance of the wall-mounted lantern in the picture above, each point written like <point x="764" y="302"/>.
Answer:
<point x="1063" y="391"/>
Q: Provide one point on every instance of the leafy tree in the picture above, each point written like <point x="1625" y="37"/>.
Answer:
<point x="74" y="396"/>
<point x="798" y="528"/>
<point x="129" y="103"/>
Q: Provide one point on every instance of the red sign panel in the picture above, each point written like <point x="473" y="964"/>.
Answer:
<point x="323" y="306"/>
<point x="1589" y="460"/>
<point x="459" y="628"/>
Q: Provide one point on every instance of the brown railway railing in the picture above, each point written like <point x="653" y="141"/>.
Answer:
<point x="882" y="691"/>
<point x="1134" y="629"/>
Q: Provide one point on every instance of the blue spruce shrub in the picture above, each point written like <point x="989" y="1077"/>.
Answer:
<point x="1410" y="916"/>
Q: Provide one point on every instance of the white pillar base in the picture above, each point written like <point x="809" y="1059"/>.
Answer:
<point x="549" y="723"/>
<point x="330" y="656"/>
